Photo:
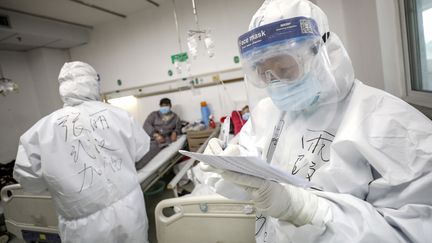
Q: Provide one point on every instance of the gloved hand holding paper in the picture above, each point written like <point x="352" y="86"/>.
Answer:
<point x="274" y="192"/>
<point x="253" y="166"/>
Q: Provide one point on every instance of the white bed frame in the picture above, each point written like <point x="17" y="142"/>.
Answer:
<point x="26" y="211"/>
<point x="205" y="219"/>
<point x="161" y="163"/>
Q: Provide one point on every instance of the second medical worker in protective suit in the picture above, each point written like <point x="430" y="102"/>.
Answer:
<point x="84" y="155"/>
<point x="368" y="153"/>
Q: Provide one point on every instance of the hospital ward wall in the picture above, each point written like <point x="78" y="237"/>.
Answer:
<point x="137" y="50"/>
<point x="18" y="110"/>
<point x="36" y="74"/>
<point x="45" y="65"/>
<point x="371" y="33"/>
<point x="221" y="101"/>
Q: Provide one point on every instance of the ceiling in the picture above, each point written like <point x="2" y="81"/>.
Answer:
<point x="26" y="42"/>
<point x="74" y="12"/>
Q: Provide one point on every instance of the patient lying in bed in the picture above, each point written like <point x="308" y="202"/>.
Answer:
<point x="162" y="126"/>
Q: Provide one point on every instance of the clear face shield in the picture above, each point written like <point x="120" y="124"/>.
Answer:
<point x="279" y="52"/>
<point x="282" y="62"/>
<point x="280" y="59"/>
<point x="286" y="67"/>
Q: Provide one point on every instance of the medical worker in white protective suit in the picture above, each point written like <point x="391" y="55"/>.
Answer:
<point x="367" y="153"/>
<point x="84" y="155"/>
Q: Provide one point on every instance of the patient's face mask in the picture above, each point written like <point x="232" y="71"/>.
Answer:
<point x="164" y="110"/>
<point x="246" y="116"/>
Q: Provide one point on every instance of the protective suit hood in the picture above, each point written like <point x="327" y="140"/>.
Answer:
<point x="79" y="82"/>
<point x="335" y="69"/>
<point x="340" y="66"/>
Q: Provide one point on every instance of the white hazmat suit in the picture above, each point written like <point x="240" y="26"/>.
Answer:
<point x="369" y="152"/>
<point x="84" y="155"/>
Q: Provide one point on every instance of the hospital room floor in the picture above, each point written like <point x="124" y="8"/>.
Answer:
<point x="151" y="203"/>
<point x="15" y="240"/>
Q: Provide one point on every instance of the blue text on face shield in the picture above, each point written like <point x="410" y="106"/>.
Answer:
<point x="164" y="110"/>
<point x="295" y="96"/>
<point x="298" y="27"/>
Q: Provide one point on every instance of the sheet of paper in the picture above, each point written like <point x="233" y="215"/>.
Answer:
<point x="249" y="165"/>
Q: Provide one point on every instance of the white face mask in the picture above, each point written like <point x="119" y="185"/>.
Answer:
<point x="295" y="96"/>
<point x="246" y="116"/>
<point x="164" y="110"/>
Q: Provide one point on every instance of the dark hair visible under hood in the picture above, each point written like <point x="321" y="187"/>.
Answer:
<point x="165" y="101"/>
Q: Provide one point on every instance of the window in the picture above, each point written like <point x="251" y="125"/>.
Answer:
<point x="418" y="22"/>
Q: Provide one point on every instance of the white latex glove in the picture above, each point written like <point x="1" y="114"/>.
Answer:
<point x="283" y="201"/>
<point x="214" y="147"/>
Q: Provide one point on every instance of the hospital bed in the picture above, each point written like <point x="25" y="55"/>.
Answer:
<point x="173" y="184"/>
<point x="33" y="218"/>
<point x="205" y="219"/>
<point x="161" y="163"/>
<point x="197" y="219"/>
<point x="28" y="216"/>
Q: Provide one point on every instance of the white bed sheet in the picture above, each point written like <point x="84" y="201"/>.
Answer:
<point x="161" y="158"/>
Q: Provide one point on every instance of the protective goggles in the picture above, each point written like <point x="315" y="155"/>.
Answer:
<point x="282" y="51"/>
